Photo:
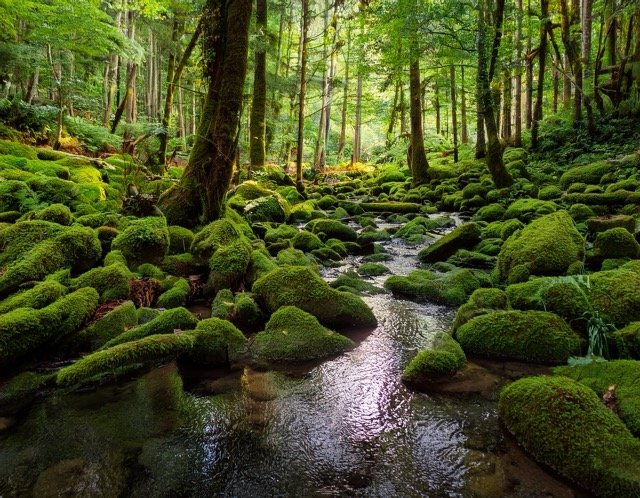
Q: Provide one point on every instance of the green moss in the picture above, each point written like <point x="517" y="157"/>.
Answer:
<point x="115" y="322"/>
<point x="17" y="149"/>
<point x="390" y="175"/>
<point x="526" y="209"/>
<point x="176" y="296"/>
<point x="443" y="359"/>
<point x="466" y="235"/>
<point x="292" y="335"/>
<point x="332" y="229"/>
<point x="492" y="212"/>
<point x="529" y="336"/>
<point x="165" y="323"/>
<point x="604" y="223"/>
<point x="372" y="269"/>
<point x="420" y="226"/>
<point x="280" y="233"/>
<point x="369" y="235"/>
<point x="180" y="239"/>
<point x="580" y="212"/>
<point x="623" y="374"/>
<point x="147" y="270"/>
<point x="229" y="264"/>
<point x="391" y="207"/>
<point x="619" y="198"/>
<point x="75" y="247"/>
<point x="114" y="257"/>
<point x="547" y="246"/>
<point x="549" y="193"/>
<point x="327" y="202"/>
<point x="452" y="289"/>
<point x="223" y="305"/>
<point x="481" y="302"/>
<point x="111" y="282"/>
<point x="182" y="265"/>
<point x="303" y="212"/>
<point x="260" y="263"/>
<point x="564" y="425"/>
<point x="146" y="315"/>
<point x="24" y="331"/>
<point x="24" y="385"/>
<point x="472" y="259"/>
<point x="306" y="241"/>
<point x="338" y="246"/>
<point x="273" y="208"/>
<point x="107" y="219"/>
<point x="294" y="257"/>
<point x="145" y="240"/>
<point x="302" y="287"/>
<point x="18" y="239"/>
<point x="56" y="213"/>
<point x="248" y="315"/>
<point x="616" y="243"/>
<point x="41" y="295"/>
<point x="213" y="236"/>
<point x="151" y="348"/>
<point x="629" y="340"/>
<point x="616" y="293"/>
<point x="216" y="342"/>
<point x="590" y="174"/>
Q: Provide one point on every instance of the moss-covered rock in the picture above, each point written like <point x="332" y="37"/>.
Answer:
<point x="420" y="225"/>
<point x="216" y="342"/>
<point x="623" y="375"/>
<point x="151" y="348"/>
<point x="443" y="359"/>
<point x="604" y="223"/>
<point x="528" y="336"/>
<point x="77" y="248"/>
<point x="466" y="235"/>
<point x="616" y="293"/>
<point x="293" y="335"/>
<point x="332" y="229"/>
<point x="527" y="209"/>
<point x="391" y="207"/>
<point x="471" y="259"/>
<point x="229" y="264"/>
<point x="260" y="263"/>
<point x="213" y="236"/>
<point x="452" y="288"/>
<point x="145" y="240"/>
<point x="372" y="269"/>
<point x="176" y="296"/>
<point x="56" y="213"/>
<point x="547" y="246"/>
<point x="492" y="212"/>
<point x="352" y="282"/>
<point x="580" y="212"/>
<point x="306" y="241"/>
<point x="25" y="331"/>
<point x="303" y="288"/>
<point x="589" y="174"/>
<point x="166" y="322"/>
<point x="616" y="243"/>
<point x="111" y="282"/>
<point x="481" y="302"/>
<point x="303" y="212"/>
<point x="564" y="425"/>
<point x="112" y="324"/>
<point x="39" y="296"/>
<point x="180" y="239"/>
<point x="628" y="340"/>
<point x="273" y="208"/>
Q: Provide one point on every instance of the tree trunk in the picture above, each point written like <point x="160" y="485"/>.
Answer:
<point x="394" y="112"/>
<point x="436" y="104"/>
<point x="542" y="58"/>
<point x="517" y="80"/>
<point x="566" y="83"/>
<point x="199" y="197"/>
<point x="258" y="127"/>
<point x="419" y="165"/>
<point x="345" y="99"/>
<point x="506" y="106"/>
<point x="319" y="151"/>
<point x="32" y="90"/>
<point x="302" y="93"/>
<point x="500" y="175"/>
<point x="454" y="113"/>
<point x="528" y="104"/>
<point x="463" y="109"/>
<point x="174" y="73"/>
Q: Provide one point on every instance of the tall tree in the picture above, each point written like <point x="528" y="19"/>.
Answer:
<point x="258" y="117"/>
<point x="199" y="195"/>
<point x="304" y="51"/>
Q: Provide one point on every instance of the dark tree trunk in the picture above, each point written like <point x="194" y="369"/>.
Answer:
<point x="542" y="59"/>
<point x="419" y="165"/>
<point x="258" y="127"/>
<point x="464" y="133"/>
<point x="199" y="197"/>
<point x="454" y="113"/>
<point x="303" y="91"/>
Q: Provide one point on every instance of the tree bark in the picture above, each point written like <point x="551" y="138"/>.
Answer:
<point x="528" y="104"/>
<point x="517" y="80"/>
<point x="454" y="113"/>
<point x="464" y="132"/>
<point x="302" y="92"/>
<point x="419" y="165"/>
<point x="542" y="58"/>
<point x="258" y="127"/>
<point x="199" y="197"/>
<point x="345" y="99"/>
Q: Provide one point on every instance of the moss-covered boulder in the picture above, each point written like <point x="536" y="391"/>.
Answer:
<point x="373" y="269"/>
<point x="443" y="359"/>
<point x="616" y="243"/>
<point x="25" y="331"/>
<point x="39" y="296"/>
<point x="145" y="240"/>
<point x="481" y="302"/>
<point x="604" y="223"/>
<point x="180" y="239"/>
<point x="56" y="213"/>
<point x="166" y="322"/>
<point x="452" y="288"/>
<point x="589" y="174"/>
<point x="273" y="208"/>
<point x="111" y="324"/>
<point x="111" y="282"/>
<point x="151" y="348"/>
<point x="527" y="336"/>
<point x="76" y="248"/>
<point x="564" y="425"/>
<point x="616" y="293"/>
<point x="628" y="340"/>
<point x="622" y="377"/>
<point x="352" y="282"/>
<point x="229" y="264"/>
<point x="463" y="237"/>
<point x="293" y="335"/>
<point x="306" y="241"/>
<point x="213" y="236"/>
<point x="527" y="209"/>
<point x="547" y="246"/>
<point x="216" y="342"/>
<point x="332" y="229"/>
<point x="176" y="296"/>
<point x="303" y="288"/>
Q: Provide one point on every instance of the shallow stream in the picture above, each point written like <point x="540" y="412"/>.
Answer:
<point x="346" y="427"/>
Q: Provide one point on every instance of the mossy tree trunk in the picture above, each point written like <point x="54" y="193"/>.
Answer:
<point x="500" y="175"/>
<point x="257" y="127"/>
<point x="419" y="165"/>
<point x="199" y="197"/>
<point x="542" y="58"/>
<point x="304" y="42"/>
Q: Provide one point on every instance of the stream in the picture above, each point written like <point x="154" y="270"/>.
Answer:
<point x="345" y="427"/>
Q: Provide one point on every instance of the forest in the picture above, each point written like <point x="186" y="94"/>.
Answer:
<point x="320" y="248"/>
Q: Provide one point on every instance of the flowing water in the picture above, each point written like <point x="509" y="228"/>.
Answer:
<point x="345" y="427"/>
